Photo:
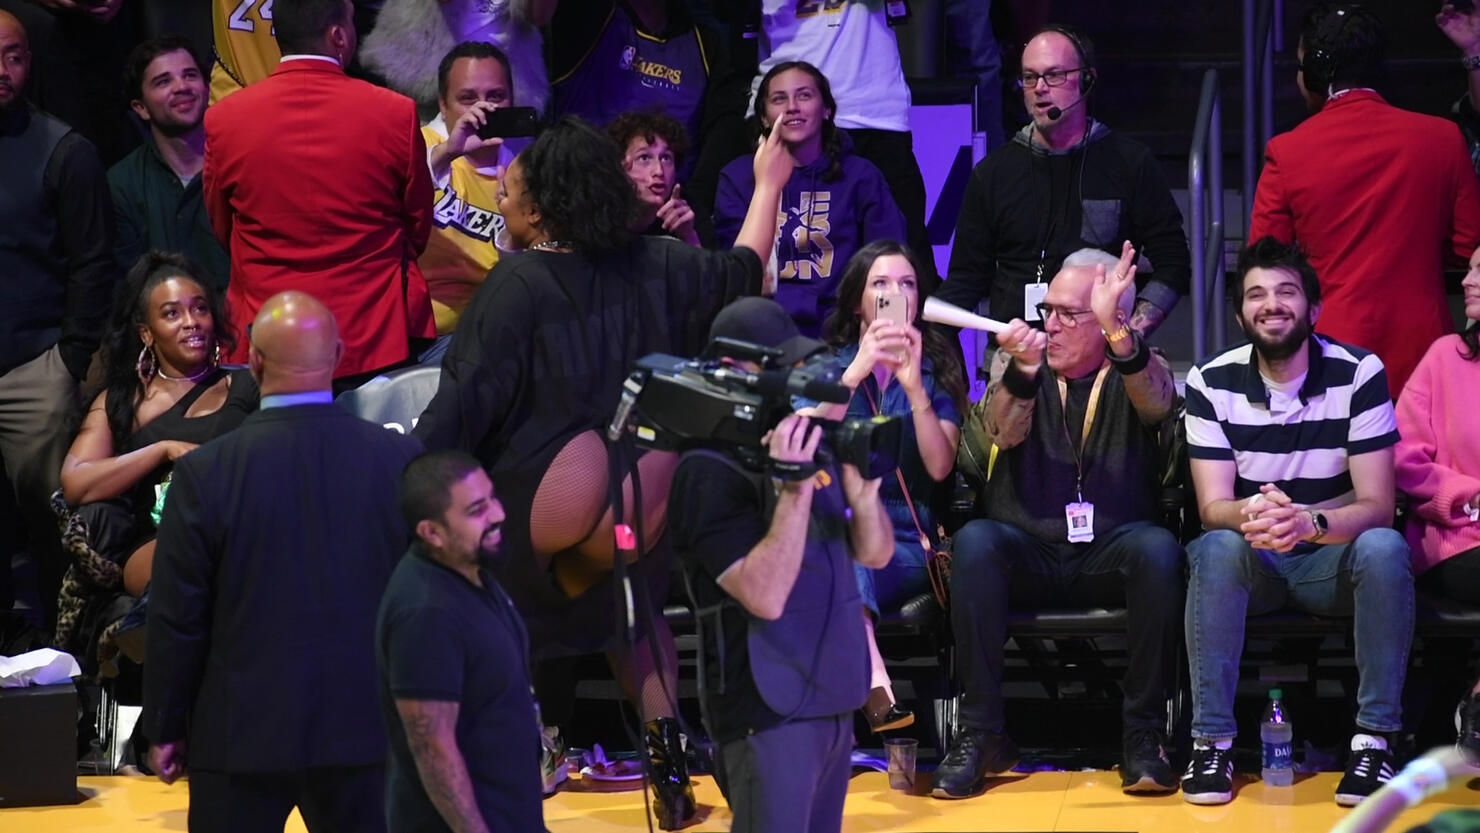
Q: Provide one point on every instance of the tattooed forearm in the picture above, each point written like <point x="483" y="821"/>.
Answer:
<point x="431" y="734"/>
<point x="1146" y="318"/>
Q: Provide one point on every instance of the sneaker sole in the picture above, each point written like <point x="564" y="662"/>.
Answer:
<point x="897" y="724"/>
<point x="1207" y="799"/>
<point x="977" y="787"/>
<point x="1349" y="800"/>
<point x="1147" y="784"/>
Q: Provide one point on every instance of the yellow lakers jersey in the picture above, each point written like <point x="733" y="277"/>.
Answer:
<point x="246" y="50"/>
<point x="465" y="220"/>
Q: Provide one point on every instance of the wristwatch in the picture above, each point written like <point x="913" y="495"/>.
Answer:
<point x="1318" y="520"/>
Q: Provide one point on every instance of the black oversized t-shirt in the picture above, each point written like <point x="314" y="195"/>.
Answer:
<point x="439" y="637"/>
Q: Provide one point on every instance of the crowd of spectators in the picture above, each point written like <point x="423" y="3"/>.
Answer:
<point x="292" y="221"/>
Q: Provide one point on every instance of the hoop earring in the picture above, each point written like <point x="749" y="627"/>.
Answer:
<point x="147" y="364"/>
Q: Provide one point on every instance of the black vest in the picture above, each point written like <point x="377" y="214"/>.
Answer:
<point x="32" y="272"/>
<point x="811" y="661"/>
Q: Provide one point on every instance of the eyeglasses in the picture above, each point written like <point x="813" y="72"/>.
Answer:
<point x="1067" y="317"/>
<point x="1053" y="78"/>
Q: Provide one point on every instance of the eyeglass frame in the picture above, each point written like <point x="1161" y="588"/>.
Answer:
<point x="1062" y="74"/>
<point x="1067" y="317"/>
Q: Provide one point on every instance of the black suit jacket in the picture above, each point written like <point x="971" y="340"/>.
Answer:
<point x="275" y="546"/>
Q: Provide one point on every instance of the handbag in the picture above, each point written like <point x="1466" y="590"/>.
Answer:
<point x="937" y="557"/>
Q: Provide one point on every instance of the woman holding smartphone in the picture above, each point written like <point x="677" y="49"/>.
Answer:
<point x="899" y="366"/>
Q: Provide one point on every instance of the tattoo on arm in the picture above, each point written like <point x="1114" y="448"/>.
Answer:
<point x="1147" y="317"/>
<point x="431" y="734"/>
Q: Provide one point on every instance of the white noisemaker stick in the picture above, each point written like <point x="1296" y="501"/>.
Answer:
<point x="951" y="315"/>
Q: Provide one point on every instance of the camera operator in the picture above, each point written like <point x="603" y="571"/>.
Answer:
<point x="767" y="556"/>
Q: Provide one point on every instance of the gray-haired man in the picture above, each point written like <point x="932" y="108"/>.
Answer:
<point x="1071" y="509"/>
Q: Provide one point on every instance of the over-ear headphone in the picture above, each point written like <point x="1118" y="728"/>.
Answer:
<point x="1320" y="64"/>
<point x="1083" y="47"/>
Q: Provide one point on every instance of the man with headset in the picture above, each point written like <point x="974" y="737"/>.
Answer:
<point x="1358" y="175"/>
<point x="1063" y="183"/>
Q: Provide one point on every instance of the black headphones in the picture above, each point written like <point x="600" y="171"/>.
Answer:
<point x="1320" y="64"/>
<point x="1084" y="48"/>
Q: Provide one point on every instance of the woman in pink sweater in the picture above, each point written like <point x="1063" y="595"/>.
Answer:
<point x="1438" y="461"/>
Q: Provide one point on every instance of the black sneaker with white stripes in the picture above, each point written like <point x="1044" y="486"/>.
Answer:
<point x="1209" y="778"/>
<point x="1368" y="769"/>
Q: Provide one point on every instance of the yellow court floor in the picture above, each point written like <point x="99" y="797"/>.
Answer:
<point x="1047" y="801"/>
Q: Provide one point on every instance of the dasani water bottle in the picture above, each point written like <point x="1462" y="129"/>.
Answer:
<point x="1276" y="737"/>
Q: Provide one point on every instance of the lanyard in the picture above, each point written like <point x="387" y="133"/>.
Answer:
<point x="1089" y="420"/>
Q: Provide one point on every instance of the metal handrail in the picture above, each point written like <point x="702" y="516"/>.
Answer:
<point x="1205" y="195"/>
<point x="1260" y="21"/>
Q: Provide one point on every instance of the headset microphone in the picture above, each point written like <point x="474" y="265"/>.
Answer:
<point x="1056" y="113"/>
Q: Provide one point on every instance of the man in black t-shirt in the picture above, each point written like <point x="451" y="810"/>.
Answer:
<point x="768" y="563"/>
<point x="454" y="664"/>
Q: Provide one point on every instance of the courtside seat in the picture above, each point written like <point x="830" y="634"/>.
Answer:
<point x="396" y="399"/>
<point x="1436" y="616"/>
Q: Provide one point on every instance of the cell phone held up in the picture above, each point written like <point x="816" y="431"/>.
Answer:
<point x="509" y="122"/>
<point x="891" y="306"/>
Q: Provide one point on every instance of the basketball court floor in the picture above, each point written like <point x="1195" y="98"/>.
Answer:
<point x="1083" y="802"/>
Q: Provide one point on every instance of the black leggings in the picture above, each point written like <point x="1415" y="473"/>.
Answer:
<point x="1456" y="577"/>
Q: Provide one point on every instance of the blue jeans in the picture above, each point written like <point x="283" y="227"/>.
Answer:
<point x="902" y="579"/>
<point x="1369" y="578"/>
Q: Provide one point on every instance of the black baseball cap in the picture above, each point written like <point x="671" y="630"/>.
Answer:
<point x="763" y="321"/>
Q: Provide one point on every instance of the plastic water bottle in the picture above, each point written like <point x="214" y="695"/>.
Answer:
<point x="1276" y="736"/>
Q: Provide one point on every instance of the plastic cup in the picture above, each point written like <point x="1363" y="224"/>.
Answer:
<point x="902" y="762"/>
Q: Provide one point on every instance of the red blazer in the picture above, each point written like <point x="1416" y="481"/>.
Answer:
<point x="318" y="182"/>
<point x="1379" y="197"/>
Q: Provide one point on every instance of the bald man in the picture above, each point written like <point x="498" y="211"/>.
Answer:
<point x="276" y="544"/>
<point x="56" y="233"/>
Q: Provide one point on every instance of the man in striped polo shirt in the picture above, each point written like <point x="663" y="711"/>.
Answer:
<point x="1291" y="438"/>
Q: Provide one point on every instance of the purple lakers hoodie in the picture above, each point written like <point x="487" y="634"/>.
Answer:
<point x="820" y="224"/>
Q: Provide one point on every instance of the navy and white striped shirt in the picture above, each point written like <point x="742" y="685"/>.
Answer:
<point x="1343" y="410"/>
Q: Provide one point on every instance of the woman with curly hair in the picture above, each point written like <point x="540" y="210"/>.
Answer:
<point x="163" y="394"/>
<point x="910" y="371"/>
<point x="834" y="203"/>
<point x="534" y="374"/>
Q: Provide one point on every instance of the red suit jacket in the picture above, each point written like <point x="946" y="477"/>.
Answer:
<point x="1378" y="197"/>
<point x="318" y="182"/>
